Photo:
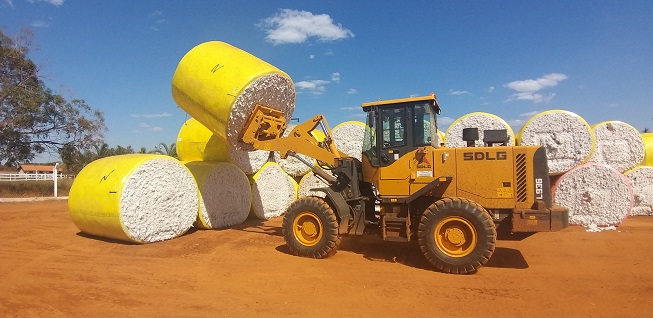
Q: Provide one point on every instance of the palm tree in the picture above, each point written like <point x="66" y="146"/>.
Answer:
<point x="164" y="149"/>
<point x="646" y="130"/>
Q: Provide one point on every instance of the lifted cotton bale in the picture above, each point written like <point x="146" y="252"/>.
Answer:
<point x="567" y="138"/>
<point x="219" y="85"/>
<point x="272" y="191"/>
<point x="249" y="161"/>
<point x="641" y="178"/>
<point x="140" y="198"/>
<point x="648" y="149"/>
<point x="482" y="121"/>
<point x="311" y="181"/>
<point x="595" y="194"/>
<point x="195" y="142"/>
<point x="225" y="194"/>
<point x="618" y="145"/>
<point x="348" y="138"/>
<point x="292" y="165"/>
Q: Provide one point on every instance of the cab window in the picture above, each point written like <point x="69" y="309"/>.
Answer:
<point x="394" y="127"/>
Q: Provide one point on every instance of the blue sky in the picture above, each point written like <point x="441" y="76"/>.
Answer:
<point x="509" y="58"/>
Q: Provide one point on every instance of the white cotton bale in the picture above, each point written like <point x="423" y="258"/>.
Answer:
<point x="195" y="142"/>
<point x="311" y="181"/>
<point x="225" y="194"/>
<point x="140" y="198"/>
<point x="348" y="138"/>
<point x="482" y="121"/>
<point x="292" y="165"/>
<point x="648" y="149"/>
<point x="641" y="178"/>
<point x="595" y="194"/>
<point x="566" y="137"/>
<point x="248" y="161"/>
<point x="618" y="145"/>
<point x="272" y="191"/>
<point x="219" y="85"/>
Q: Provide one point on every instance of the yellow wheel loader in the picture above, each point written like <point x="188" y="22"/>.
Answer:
<point x="408" y="187"/>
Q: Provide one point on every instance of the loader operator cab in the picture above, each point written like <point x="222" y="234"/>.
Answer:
<point x="399" y="126"/>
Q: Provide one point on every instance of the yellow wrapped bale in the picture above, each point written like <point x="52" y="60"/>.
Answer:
<point x="225" y="194"/>
<point x="648" y="149"/>
<point x="195" y="142"/>
<point x="139" y="198"/>
<point x="219" y="85"/>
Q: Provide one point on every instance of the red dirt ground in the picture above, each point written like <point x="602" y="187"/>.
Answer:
<point x="49" y="269"/>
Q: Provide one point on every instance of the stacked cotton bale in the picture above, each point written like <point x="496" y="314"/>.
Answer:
<point x="641" y="178"/>
<point x="595" y="194"/>
<point x="138" y="198"/>
<point x="348" y="138"/>
<point x="219" y="85"/>
<point x="567" y="138"/>
<point x="311" y="181"/>
<point x="272" y="191"/>
<point x="648" y="149"/>
<point x="480" y="120"/>
<point x="292" y="165"/>
<point x="618" y="145"/>
<point x="225" y="195"/>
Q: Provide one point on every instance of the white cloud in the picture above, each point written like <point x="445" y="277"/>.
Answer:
<point x="10" y="3"/>
<point x="529" y="114"/>
<point x="294" y="26"/>
<point x="52" y="2"/>
<point x="156" y="115"/>
<point x="527" y="89"/>
<point x="40" y="24"/>
<point x="458" y="92"/>
<point x="312" y="56"/>
<point x="516" y="123"/>
<point x="315" y="87"/>
<point x="490" y="89"/>
<point x="352" y="91"/>
<point x="445" y="120"/>
<point x="149" y="127"/>
<point x="335" y="77"/>
<point x="350" y="108"/>
<point x="329" y="52"/>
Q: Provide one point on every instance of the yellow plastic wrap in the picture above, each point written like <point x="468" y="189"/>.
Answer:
<point x="219" y="84"/>
<point x="112" y="197"/>
<point x="648" y="149"/>
<point x="195" y="142"/>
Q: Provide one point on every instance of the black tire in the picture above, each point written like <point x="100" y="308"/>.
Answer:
<point x="465" y="237"/>
<point x="310" y="228"/>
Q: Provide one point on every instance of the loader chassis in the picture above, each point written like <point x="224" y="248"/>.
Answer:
<point x="407" y="187"/>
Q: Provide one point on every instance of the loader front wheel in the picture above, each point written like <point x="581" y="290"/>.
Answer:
<point x="310" y="228"/>
<point x="456" y="235"/>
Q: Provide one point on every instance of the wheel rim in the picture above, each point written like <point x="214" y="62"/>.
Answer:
<point x="455" y="236"/>
<point x="307" y="228"/>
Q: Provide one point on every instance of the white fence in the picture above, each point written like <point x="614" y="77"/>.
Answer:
<point x="30" y="176"/>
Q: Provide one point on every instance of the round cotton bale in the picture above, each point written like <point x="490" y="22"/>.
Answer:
<point x="195" y="142"/>
<point x="225" y="194"/>
<point x="219" y="85"/>
<point x="248" y="161"/>
<point x="595" y="194"/>
<point x="618" y="145"/>
<point x="641" y="178"/>
<point x="292" y="165"/>
<point x="272" y="191"/>
<point x="311" y="181"/>
<point x="482" y="121"/>
<point x="567" y="138"/>
<point x="140" y="198"/>
<point x="648" y="149"/>
<point x="348" y="138"/>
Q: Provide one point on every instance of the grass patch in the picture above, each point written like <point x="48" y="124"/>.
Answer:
<point x="34" y="188"/>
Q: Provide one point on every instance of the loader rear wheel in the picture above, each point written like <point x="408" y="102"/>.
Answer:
<point x="310" y="228"/>
<point x="456" y="235"/>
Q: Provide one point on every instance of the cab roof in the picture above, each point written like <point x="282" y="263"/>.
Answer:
<point x="401" y="101"/>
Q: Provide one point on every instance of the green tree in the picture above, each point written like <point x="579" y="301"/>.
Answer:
<point x="164" y="149"/>
<point x="646" y="130"/>
<point x="34" y="119"/>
